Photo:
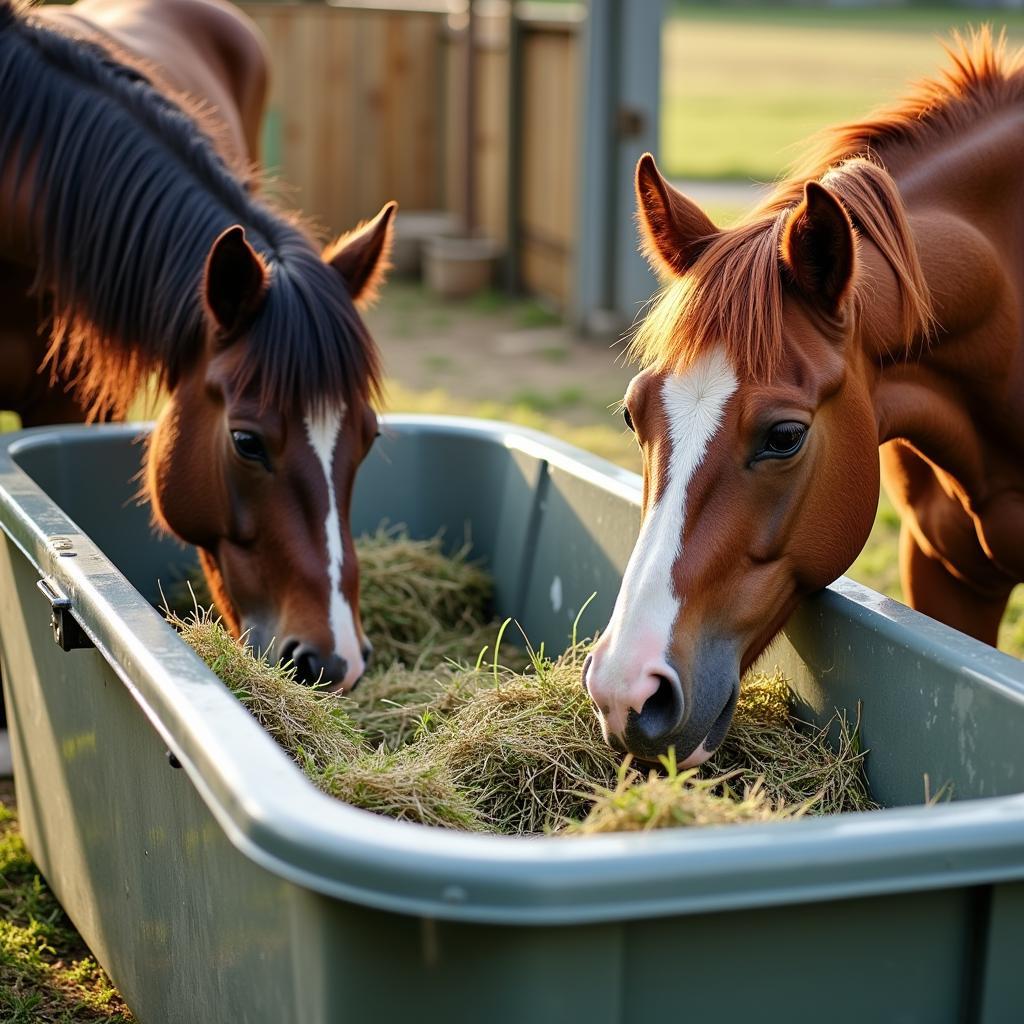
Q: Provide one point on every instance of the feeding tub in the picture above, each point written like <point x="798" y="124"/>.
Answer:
<point x="231" y="890"/>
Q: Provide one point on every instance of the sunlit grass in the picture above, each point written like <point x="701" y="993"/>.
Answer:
<point x="46" y="973"/>
<point x="474" y="743"/>
<point x="724" y="214"/>
<point x="611" y="441"/>
<point x="878" y="567"/>
<point x="742" y="88"/>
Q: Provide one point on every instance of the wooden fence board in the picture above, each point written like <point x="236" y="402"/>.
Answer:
<point x="354" y="108"/>
<point x="366" y="105"/>
<point x="548" y="155"/>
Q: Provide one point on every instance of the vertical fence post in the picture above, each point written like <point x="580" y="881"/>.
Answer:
<point x="510" y="264"/>
<point x="621" y="92"/>
<point x="469" y="123"/>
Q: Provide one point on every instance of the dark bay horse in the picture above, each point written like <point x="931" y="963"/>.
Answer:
<point x="130" y="228"/>
<point x="875" y="299"/>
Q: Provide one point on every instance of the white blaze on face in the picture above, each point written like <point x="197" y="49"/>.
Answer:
<point x="322" y="430"/>
<point x="640" y="630"/>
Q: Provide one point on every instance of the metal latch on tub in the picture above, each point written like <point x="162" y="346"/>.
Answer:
<point x="68" y="635"/>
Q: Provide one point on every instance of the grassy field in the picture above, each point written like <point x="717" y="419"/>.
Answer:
<point x="742" y="88"/>
<point x="46" y="973"/>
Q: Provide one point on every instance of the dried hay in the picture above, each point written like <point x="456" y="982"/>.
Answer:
<point x="440" y="735"/>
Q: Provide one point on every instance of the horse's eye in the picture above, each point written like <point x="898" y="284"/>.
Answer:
<point x="250" y="446"/>
<point x="783" y="440"/>
<point x="628" y="419"/>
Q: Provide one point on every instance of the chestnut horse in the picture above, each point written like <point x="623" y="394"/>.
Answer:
<point x="875" y="299"/>
<point x="127" y="209"/>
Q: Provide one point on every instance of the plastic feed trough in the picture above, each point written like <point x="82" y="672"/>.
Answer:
<point x="233" y="891"/>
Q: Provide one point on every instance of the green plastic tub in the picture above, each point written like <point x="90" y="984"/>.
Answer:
<point x="231" y="890"/>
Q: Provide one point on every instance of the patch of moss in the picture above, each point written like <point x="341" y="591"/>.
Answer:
<point x="47" y="975"/>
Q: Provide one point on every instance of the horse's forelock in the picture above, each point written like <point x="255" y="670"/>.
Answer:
<point x="308" y="348"/>
<point x="731" y="297"/>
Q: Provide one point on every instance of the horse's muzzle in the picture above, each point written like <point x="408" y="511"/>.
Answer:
<point x="690" y="714"/>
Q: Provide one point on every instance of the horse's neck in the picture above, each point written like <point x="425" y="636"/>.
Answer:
<point x="958" y="396"/>
<point x="129" y="307"/>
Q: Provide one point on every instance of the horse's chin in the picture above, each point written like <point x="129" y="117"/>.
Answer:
<point x="341" y="688"/>
<point x="699" y="756"/>
<point x="695" y="760"/>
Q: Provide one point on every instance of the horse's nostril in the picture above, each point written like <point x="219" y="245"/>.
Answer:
<point x="309" y="667"/>
<point x="662" y="711"/>
<point x="305" y="659"/>
<point x="336" y="670"/>
<point x="288" y="649"/>
<point x="367" y="655"/>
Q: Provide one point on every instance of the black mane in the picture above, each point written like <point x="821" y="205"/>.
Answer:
<point x="127" y="195"/>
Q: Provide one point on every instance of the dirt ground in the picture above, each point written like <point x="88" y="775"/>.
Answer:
<point x="495" y="350"/>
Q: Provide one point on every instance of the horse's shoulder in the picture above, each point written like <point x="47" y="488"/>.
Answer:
<point x="225" y="24"/>
<point x="203" y="49"/>
<point x="226" y="44"/>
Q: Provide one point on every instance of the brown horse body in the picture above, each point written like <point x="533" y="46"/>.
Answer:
<point x="131" y="229"/>
<point x="201" y="49"/>
<point x="876" y="299"/>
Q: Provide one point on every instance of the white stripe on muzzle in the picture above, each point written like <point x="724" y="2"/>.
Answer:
<point x="640" y="629"/>
<point x="323" y="430"/>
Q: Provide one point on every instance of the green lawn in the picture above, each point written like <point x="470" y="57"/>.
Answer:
<point x="47" y="975"/>
<point x="743" y="88"/>
<point x="878" y="567"/>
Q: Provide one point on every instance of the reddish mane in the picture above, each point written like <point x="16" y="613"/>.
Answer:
<point x="733" y="295"/>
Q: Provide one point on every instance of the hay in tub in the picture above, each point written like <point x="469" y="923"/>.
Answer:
<point x="459" y="740"/>
<point x="419" y="605"/>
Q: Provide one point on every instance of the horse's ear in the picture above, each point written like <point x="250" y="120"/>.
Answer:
<point x="234" y="281"/>
<point x="818" y="247"/>
<point x="363" y="255"/>
<point x="674" y="230"/>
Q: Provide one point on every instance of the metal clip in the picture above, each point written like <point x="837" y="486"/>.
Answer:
<point x="68" y="635"/>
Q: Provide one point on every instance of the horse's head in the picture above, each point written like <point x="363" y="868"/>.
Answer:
<point x="759" y="443"/>
<point x="254" y="456"/>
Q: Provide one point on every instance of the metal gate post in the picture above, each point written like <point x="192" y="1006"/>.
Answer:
<point x="620" y="114"/>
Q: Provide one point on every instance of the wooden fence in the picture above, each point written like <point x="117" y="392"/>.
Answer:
<point x="355" y="112"/>
<point x="366" y="105"/>
<point x="547" y="155"/>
